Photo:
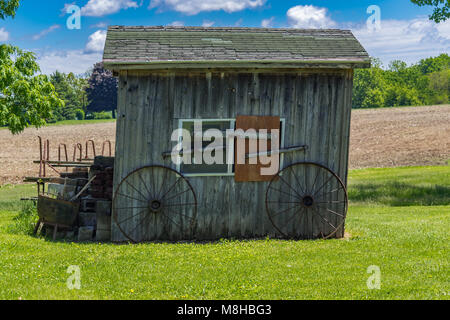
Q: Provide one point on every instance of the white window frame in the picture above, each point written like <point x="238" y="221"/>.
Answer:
<point x="230" y="172"/>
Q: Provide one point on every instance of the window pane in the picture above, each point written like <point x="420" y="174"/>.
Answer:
<point x="204" y="168"/>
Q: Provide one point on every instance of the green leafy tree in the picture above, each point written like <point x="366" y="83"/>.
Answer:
<point x="8" y="8"/>
<point x="439" y="85"/>
<point x="25" y="97"/>
<point x="423" y="83"/>
<point x="441" y="8"/>
<point x="436" y="64"/>
<point x="369" y="85"/>
<point x="72" y="90"/>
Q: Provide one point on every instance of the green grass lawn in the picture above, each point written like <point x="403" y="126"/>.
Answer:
<point x="399" y="220"/>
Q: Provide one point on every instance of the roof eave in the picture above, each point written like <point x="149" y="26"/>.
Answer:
<point x="263" y="64"/>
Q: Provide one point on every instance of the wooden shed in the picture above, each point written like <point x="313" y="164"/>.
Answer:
<point x="292" y="87"/>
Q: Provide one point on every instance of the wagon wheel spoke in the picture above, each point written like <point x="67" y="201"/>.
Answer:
<point x="180" y="204"/>
<point x="298" y="182"/>
<point x="333" y="212"/>
<point x="330" y="192"/>
<point x="324" y="219"/>
<point x="167" y="189"/>
<point x="326" y="182"/>
<point x="315" y="180"/>
<point x="330" y="202"/>
<point x="137" y="225"/>
<point x="289" y="186"/>
<point x="180" y="214"/>
<point x="177" y="195"/>
<point x="126" y="208"/>
<point x="324" y="198"/>
<point x="294" y="202"/>
<point x="127" y="196"/>
<point x="171" y="188"/>
<point x="286" y="210"/>
<point x="292" y="218"/>
<point x="162" y="184"/>
<point x="174" y="217"/>
<point x="291" y="195"/>
<point x="134" y="188"/>
<point x="145" y="185"/>
<point x="129" y="218"/>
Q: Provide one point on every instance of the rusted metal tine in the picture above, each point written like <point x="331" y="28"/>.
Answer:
<point x="65" y="152"/>
<point x="44" y="156"/>
<point x="107" y="142"/>
<point x="87" y="149"/>
<point x="76" y="147"/>
<point x="40" y="156"/>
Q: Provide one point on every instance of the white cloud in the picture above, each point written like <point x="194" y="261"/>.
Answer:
<point x="96" y="42"/>
<point x="101" y="25"/>
<point x="239" y="22"/>
<point x="267" y="23"/>
<point x="99" y="8"/>
<point x="4" y="35"/>
<point x="407" y="40"/>
<point x="76" y="61"/>
<point x="43" y="33"/>
<point x="309" y="16"/>
<point x="207" y="23"/>
<point x="192" y="7"/>
<point x="176" y="24"/>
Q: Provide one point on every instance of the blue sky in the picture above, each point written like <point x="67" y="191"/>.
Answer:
<point x="404" y="33"/>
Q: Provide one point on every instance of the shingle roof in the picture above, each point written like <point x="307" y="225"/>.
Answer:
<point x="190" y="45"/>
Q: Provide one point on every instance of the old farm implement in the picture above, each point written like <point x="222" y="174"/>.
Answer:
<point x="66" y="197"/>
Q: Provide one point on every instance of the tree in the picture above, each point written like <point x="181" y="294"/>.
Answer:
<point x="441" y="8"/>
<point x="439" y="85"/>
<point x="72" y="90"/>
<point x="369" y="85"/>
<point x="25" y="98"/>
<point x="8" y="8"/>
<point x="102" y="90"/>
<point x="423" y="83"/>
<point x="436" y="64"/>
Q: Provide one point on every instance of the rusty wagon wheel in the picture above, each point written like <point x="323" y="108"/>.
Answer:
<point x="307" y="200"/>
<point x="154" y="203"/>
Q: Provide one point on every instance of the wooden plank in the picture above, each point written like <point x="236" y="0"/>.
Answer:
<point x="243" y="65"/>
<point x="252" y="172"/>
<point x="116" y="234"/>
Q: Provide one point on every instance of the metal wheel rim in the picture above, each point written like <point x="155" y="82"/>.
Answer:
<point x="332" y="174"/>
<point x="179" y="176"/>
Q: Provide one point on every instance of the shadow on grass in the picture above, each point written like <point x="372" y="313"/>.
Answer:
<point x="400" y="194"/>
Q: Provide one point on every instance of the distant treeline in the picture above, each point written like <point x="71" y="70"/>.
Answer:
<point x="92" y="95"/>
<point x="424" y="83"/>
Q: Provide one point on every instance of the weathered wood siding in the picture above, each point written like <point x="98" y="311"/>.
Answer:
<point x="315" y="103"/>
